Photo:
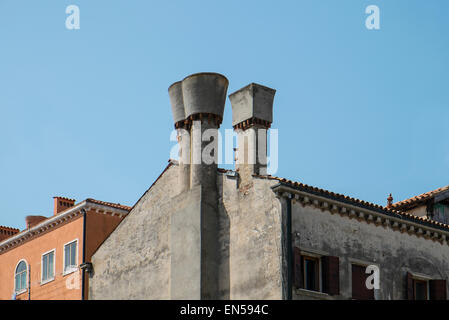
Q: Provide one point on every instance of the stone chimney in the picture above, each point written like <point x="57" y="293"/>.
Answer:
<point x="6" y="232"/>
<point x="197" y="104"/>
<point x="252" y="115"/>
<point x="61" y="204"/>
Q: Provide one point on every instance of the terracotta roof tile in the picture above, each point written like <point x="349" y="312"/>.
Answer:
<point x="109" y="204"/>
<point x="368" y="205"/>
<point x="419" y="198"/>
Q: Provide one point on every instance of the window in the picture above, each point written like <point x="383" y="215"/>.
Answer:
<point x="48" y="266"/>
<point x="316" y="272"/>
<point x="21" y="277"/>
<point x="359" y="289"/>
<point x="70" y="257"/>
<point x="311" y="273"/>
<point x="420" y="289"/>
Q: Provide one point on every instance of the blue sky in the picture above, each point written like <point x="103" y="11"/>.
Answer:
<point x="85" y="113"/>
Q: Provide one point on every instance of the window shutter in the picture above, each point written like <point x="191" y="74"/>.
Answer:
<point x="298" y="268"/>
<point x="359" y="289"/>
<point x="331" y="275"/>
<point x="409" y="287"/>
<point x="437" y="289"/>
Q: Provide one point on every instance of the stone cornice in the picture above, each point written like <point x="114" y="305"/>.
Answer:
<point x="376" y="217"/>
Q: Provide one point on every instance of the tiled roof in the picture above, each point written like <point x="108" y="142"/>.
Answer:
<point x="420" y="198"/>
<point x="9" y="229"/>
<point x="109" y="204"/>
<point x="358" y="202"/>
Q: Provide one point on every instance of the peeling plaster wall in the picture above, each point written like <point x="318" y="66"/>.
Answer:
<point x="250" y="239"/>
<point x="394" y="252"/>
<point x="135" y="261"/>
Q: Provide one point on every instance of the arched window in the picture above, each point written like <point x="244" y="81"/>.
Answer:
<point x="21" y="277"/>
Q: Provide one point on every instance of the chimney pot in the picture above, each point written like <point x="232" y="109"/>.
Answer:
<point x="252" y="102"/>
<point x="61" y="204"/>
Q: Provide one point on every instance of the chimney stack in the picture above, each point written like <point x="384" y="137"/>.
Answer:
<point x="197" y="105"/>
<point x="31" y="221"/>
<point x="182" y="127"/>
<point x="252" y="115"/>
<point x="6" y="232"/>
<point x="61" y="204"/>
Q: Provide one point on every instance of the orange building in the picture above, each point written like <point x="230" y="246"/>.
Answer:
<point x="50" y="259"/>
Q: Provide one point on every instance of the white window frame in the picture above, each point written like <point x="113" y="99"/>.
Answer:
<point x="42" y="266"/>
<point x="75" y="268"/>
<point x="26" y="282"/>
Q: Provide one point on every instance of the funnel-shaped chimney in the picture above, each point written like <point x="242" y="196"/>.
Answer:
<point x="204" y="93"/>
<point x="183" y="134"/>
<point x="177" y="103"/>
<point x="196" y="226"/>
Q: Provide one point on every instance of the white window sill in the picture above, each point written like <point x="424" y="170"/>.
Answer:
<point x="47" y="281"/>
<point x="69" y="271"/>
<point x="20" y="292"/>
<point x="313" y="294"/>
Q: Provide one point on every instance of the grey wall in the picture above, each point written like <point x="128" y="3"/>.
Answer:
<point x="250" y="239"/>
<point x="136" y="261"/>
<point x="394" y="252"/>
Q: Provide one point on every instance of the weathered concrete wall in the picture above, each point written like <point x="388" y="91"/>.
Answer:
<point x="138" y="260"/>
<point x="250" y="240"/>
<point x="134" y="262"/>
<point x="394" y="252"/>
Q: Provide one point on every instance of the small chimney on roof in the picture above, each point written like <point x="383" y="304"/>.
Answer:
<point x="61" y="204"/>
<point x="390" y="201"/>
<point x="31" y="221"/>
<point x="6" y="232"/>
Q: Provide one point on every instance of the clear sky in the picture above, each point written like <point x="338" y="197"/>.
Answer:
<point x="85" y="113"/>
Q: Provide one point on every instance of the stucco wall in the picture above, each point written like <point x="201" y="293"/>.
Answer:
<point x="135" y="261"/>
<point x="250" y="240"/>
<point x="394" y="252"/>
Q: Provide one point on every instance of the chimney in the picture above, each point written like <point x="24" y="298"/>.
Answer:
<point x="61" y="204"/>
<point x="252" y="115"/>
<point x="31" y="221"/>
<point x="6" y="232"/>
<point x="182" y="127"/>
<point x="197" y="105"/>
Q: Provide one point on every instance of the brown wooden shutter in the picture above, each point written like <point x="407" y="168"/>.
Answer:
<point x="331" y="275"/>
<point x="297" y="270"/>
<point x="359" y="289"/>
<point x="437" y="289"/>
<point x="409" y="287"/>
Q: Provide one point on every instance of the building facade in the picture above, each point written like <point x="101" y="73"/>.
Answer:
<point x="200" y="232"/>
<point x="50" y="259"/>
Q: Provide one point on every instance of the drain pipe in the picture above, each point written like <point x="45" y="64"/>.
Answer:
<point x="289" y="248"/>
<point x="83" y="275"/>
